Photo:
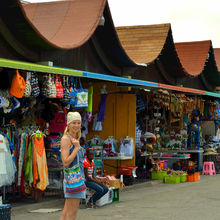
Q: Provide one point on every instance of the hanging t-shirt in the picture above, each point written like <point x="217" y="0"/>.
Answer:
<point x="7" y="166"/>
<point x="127" y="147"/>
<point x="3" y="149"/>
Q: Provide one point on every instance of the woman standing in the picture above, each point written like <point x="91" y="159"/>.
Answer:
<point x="72" y="154"/>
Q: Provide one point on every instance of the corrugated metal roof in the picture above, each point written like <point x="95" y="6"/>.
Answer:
<point x="193" y="55"/>
<point x="65" y="24"/>
<point x="143" y="43"/>
<point x="217" y="57"/>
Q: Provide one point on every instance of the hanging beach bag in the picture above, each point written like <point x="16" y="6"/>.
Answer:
<point x="17" y="86"/>
<point x="59" y="87"/>
<point x="73" y="181"/>
<point x="27" y="91"/>
<point x="35" y="90"/>
<point x="52" y="92"/>
<point x="59" y="122"/>
<point x="66" y="92"/>
<point x="82" y="96"/>
<point x="73" y="92"/>
<point x="52" y="143"/>
<point x="45" y="86"/>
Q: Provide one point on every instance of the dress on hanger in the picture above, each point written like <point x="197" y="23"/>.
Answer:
<point x="7" y="166"/>
<point x="39" y="164"/>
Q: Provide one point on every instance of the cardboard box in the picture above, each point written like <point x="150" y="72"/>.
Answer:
<point x="115" y="183"/>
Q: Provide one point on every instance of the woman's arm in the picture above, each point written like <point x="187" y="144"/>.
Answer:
<point x="93" y="178"/>
<point x="68" y="158"/>
<point x="96" y="180"/>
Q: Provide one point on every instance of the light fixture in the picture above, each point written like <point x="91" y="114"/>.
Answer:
<point x="102" y="21"/>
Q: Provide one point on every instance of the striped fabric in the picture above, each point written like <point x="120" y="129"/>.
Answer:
<point x="73" y="180"/>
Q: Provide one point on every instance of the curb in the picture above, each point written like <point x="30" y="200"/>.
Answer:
<point x="141" y="185"/>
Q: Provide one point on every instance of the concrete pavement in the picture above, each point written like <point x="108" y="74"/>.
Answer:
<point x="152" y="200"/>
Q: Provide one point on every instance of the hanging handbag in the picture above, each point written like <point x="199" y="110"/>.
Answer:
<point x="52" y="143"/>
<point x="82" y="96"/>
<point x="45" y="86"/>
<point x="17" y="86"/>
<point x="73" y="181"/>
<point x="73" y="92"/>
<point x="59" y="122"/>
<point x="35" y="90"/>
<point x="27" y="91"/>
<point x="66" y="92"/>
<point x="59" y="87"/>
<point x="52" y="93"/>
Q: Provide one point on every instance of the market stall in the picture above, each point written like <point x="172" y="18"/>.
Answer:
<point x="181" y="123"/>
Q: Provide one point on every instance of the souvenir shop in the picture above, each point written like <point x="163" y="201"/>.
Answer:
<point x="176" y="129"/>
<point x="124" y="126"/>
<point x="33" y="108"/>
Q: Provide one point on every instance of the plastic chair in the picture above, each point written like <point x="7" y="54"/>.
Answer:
<point x="208" y="168"/>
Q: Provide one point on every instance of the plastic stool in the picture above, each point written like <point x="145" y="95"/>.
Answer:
<point x="115" y="195"/>
<point x="208" y="168"/>
<point x="165" y="163"/>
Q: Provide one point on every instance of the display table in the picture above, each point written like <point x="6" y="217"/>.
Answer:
<point x="175" y="158"/>
<point x="118" y="158"/>
<point x="145" y="154"/>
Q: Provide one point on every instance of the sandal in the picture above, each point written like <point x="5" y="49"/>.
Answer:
<point x="89" y="205"/>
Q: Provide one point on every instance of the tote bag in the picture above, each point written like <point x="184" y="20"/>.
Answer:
<point x="82" y="96"/>
<point x="66" y="92"/>
<point x="35" y="90"/>
<point x="59" y="87"/>
<point x="52" y="92"/>
<point x="73" y="181"/>
<point x="59" y="122"/>
<point x="52" y="143"/>
<point x="17" y="86"/>
<point x="73" y="92"/>
<point x="27" y="91"/>
<point x="45" y="85"/>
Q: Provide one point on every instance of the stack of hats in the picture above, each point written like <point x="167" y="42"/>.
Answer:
<point x="7" y="103"/>
<point x="210" y="151"/>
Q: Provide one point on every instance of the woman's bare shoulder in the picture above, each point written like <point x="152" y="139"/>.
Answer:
<point x="65" y="141"/>
<point x="64" y="137"/>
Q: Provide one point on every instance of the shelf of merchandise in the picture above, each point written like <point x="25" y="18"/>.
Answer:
<point x="194" y="134"/>
<point x="98" y="158"/>
<point x="176" y="158"/>
<point x="118" y="158"/>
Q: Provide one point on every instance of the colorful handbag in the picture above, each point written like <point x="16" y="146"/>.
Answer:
<point x="73" y="181"/>
<point x="52" y="92"/>
<point x="45" y="85"/>
<point x="82" y="96"/>
<point x="52" y="143"/>
<point x="17" y="86"/>
<point x="27" y="91"/>
<point x="73" y="92"/>
<point x="66" y="92"/>
<point x="59" y="122"/>
<point x="59" y="87"/>
<point x="35" y="90"/>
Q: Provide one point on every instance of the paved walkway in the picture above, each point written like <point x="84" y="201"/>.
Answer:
<point x="152" y="201"/>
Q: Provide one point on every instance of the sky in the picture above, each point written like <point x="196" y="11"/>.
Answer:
<point x="191" y="20"/>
